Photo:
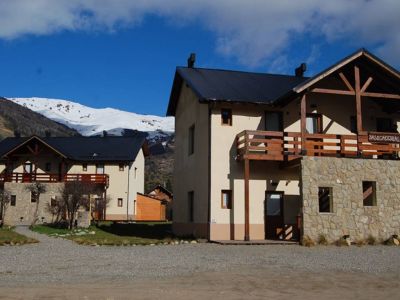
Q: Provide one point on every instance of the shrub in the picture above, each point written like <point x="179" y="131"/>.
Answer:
<point x="322" y="240"/>
<point x="343" y="241"/>
<point x="307" y="241"/>
<point x="371" y="240"/>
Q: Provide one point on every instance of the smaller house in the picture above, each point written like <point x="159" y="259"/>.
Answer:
<point x="155" y="206"/>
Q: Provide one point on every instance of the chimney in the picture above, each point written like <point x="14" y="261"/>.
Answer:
<point x="17" y="133"/>
<point x="47" y="133"/>
<point x="299" y="71"/>
<point x="191" y="60"/>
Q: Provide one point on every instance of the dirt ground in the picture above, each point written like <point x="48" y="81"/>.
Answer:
<point x="255" y="283"/>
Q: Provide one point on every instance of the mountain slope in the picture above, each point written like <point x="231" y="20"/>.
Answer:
<point x="91" y="121"/>
<point x="14" y="117"/>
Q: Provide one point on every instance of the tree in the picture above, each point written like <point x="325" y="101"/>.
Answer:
<point x="5" y="199"/>
<point x="36" y="190"/>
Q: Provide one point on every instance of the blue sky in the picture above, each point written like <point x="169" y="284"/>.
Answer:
<point x="124" y="55"/>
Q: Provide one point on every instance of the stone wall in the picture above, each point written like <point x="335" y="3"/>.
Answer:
<point x="349" y="215"/>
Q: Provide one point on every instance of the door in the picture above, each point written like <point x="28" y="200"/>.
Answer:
<point x="27" y="174"/>
<point x="273" y="215"/>
<point x="314" y="123"/>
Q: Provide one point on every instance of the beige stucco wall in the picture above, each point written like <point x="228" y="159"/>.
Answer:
<point x="349" y="216"/>
<point x="190" y="171"/>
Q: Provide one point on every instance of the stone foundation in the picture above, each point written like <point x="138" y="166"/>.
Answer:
<point x="349" y="216"/>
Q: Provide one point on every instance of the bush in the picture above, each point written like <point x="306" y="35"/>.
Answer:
<point x="322" y="240"/>
<point x="371" y="240"/>
<point x="307" y="241"/>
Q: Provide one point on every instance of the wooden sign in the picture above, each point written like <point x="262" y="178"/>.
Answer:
<point x="387" y="138"/>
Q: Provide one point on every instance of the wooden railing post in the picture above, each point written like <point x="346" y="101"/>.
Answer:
<point x="303" y="115"/>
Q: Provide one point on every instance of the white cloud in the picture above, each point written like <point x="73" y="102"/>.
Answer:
<point x="252" y="31"/>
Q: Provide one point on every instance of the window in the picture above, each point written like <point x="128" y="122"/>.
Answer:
<point x="384" y="125"/>
<point x="226" y="116"/>
<point x="191" y="140"/>
<point x="34" y="197"/>
<point x="369" y="193"/>
<point x="13" y="200"/>
<point x="99" y="169"/>
<point x="273" y="121"/>
<point x="314" y="123"/>
<point x="84" y="167"/>
<point x="119" y="202"/>
<point x="325" y="199"/>
<point x="53" y="201"/>
<point x="190" y="206"/>
<point x="226" y="199"/>
<point x="353" y="124"/>
<point x="48" y="167"/>
<point x="28" y="168"/>
<point x="121" y="167"/>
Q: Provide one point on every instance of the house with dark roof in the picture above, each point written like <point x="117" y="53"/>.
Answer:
<point x="265" y="156"/>
<point x="112" y="165"/>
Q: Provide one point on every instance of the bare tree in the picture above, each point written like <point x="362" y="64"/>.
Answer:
<point x="56" y="210"/>
<point x="5" y="199"/>
<point x="36" y="189"/>
<point x="74" y="194"/>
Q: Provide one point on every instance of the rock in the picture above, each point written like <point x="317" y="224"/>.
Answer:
<point x="396" y="242"/>
<point x="193" y="242"/>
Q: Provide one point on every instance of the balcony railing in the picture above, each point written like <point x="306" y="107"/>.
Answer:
<point x="281" y="146"/>
<point x="47" y="178"/>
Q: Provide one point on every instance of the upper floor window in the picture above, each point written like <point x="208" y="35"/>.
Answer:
<point x="100" y="169"/>
<point x="226" y="116"/>
<point x="13" y="200"/>
<point x="273" y="121"/>
<point x="121" y="167"/>
<point x="191" y="139"/>
<point x="48" y="167"/>
<point x="84" y="167"/>
<point x="28" y="167"/>
<point x="314" y="123"/>
<point x="385" y="125"/>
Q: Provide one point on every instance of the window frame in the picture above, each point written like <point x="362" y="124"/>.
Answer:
<point x="229" y="119"/>
<point x="120" y="202"/>
<point x="319" y="123"/>
<point x="191" y="139"/>
<point x="13" y="200"/>
<point x="373" y="194"/>
<point x="330" y="200"/>
<point x="229" y="193"/>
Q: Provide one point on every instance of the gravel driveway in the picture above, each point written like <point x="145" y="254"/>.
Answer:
<point x="58" y="260"/>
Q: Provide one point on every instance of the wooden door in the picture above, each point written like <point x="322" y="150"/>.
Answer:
<point x="273" y="215"/>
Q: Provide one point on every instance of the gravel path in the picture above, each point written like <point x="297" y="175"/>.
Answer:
<point x="55" y="260"/>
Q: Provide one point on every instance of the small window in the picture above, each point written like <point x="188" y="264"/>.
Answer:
<point x="226" y="199"/>
<point x="226" y="116"/>
<point x="84" y="167"/>
<point x="53" y="201"/>
<point x="119" y="202"/>
<point x="191" y="206"/>
<point x="325" y="199"/>
<point x="13" y="200"/>
<point x="48" y="167"/>
<point x="34" y="197"/>
<point x="369" y="193"/>
<point x="191" y="140"/>
<point x="353" y="124"/>
<point x="121" y="167"/>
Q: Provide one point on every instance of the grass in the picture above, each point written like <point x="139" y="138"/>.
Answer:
<point x="9" y="237"/>
<point x="114" y="234"/>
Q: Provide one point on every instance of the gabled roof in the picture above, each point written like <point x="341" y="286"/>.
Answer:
<point x="109" y="148"/>
<point x="258" y="88"/>
<point x="231" y="86"/>
<point x="163" y="189"/>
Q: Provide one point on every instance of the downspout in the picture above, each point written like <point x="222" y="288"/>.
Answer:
<point x="209" y="173"/>
<point x="127" y="194"/>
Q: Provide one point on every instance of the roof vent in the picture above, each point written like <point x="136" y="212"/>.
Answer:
<point x="191" y="60"/>
<point x="299" y="71"/>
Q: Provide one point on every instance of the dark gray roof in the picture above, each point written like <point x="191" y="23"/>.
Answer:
<point x="109" y="148"/>
<point x="231" y="86"/>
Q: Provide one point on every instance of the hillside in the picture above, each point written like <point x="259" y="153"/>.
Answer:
<point x="92" y="121"/>
<point x="14" y="117"/>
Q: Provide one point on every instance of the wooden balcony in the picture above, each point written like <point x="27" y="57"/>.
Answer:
<point x="287" y="146"/>
<point x="48" y="178"/>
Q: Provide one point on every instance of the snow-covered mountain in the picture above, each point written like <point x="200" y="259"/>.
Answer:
<point x="91" y="121"/>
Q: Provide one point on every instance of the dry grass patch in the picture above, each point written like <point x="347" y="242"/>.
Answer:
<point x="9" y="237"/>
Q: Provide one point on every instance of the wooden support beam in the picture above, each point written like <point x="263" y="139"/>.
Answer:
<point x="333" y="91"/>
<point x="366" y="85"/>
<point x="246" y="200"/>
<point x="358" y="98"/>
<point x="381" y="95"/>
<point x="346" y="82"/>
<point x="303" y="116"/>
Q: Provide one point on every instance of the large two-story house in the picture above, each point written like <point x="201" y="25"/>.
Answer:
<point x="265" y="156"/>
<point x="112" y="165"/>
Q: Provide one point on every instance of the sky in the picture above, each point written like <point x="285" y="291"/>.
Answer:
<point x="123" y="53"/>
